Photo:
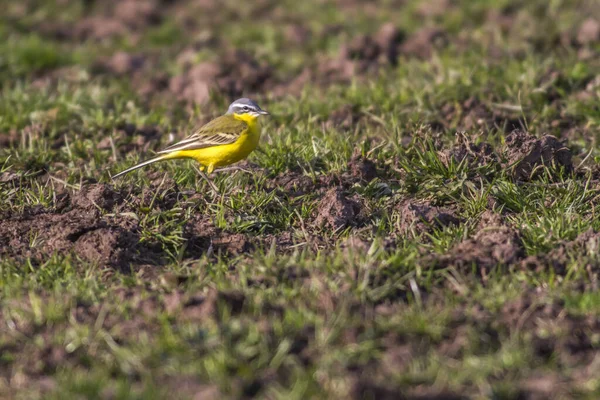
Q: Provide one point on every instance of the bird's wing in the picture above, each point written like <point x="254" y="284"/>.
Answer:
<point x="222" y="130"/>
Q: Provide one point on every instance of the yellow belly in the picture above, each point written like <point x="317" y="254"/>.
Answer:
<point x="227" y="154"/>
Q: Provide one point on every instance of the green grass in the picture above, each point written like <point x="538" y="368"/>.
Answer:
<point x="243" y="294"/>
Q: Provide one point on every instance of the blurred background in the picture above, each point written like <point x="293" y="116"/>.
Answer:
<point x="183" y="50"/>
<point x="453" y="64"/>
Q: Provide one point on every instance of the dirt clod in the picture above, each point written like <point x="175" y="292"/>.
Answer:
<point x="106" y="246"/>
<point x="362" y="47"/>
<point x="233" y="244"/>
<point x="9" y="177"/>
<point x="202" y="306"/>
<point x="195" y="85"/>
<point x="344" y="118"/>
<point x="557" y="259"/>
<point x="97" y="196"/>
<point x="123" y="63"/>
<point x="468" y="151"/>
<point x="362" y="168"/>
<point x="419" y="217"/>
<point x="370" y="50"/>
<point x="99" y="28"/>
<point x="295" y="184"/>
<point x="297" y="34"/>
<point x="434" y="8"/>
<point x="389" y="38"/>
<point x="362" y="54"/>
<point x="424" y="42"/>
<point x="233" y="299"/>
<point x="234" y="74"/>
<point x="138" y="13"/>
<point x="494" y="244"/>
<point x="336" y="211"/>
<point x="589" y="32"/>
<point x="525" y="154"/>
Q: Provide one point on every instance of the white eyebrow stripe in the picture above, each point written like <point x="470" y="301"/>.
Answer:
<point x="240" y="107"/>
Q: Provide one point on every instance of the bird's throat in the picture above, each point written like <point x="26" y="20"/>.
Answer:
<point x="247" y="118"/>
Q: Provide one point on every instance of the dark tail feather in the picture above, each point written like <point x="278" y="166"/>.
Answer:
<point x="140" y="165"/>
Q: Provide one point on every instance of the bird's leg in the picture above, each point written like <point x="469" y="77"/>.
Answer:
<point x="206" y="178"/>
<point x="226" y="169"/>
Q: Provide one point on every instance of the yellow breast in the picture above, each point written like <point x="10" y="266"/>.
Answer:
<point x="224" y="155"/>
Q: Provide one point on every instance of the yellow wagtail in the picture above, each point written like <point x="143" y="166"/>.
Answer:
<point x="223" y="141"/>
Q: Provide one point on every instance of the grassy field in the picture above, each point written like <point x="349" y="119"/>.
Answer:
<point x="419" y="222"/>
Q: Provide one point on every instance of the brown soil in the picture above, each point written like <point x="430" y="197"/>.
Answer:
<point x="423" y="217"/>
<point x="584" y="245"/>
<point x="122" y="63"/>
<point x="381" y="48"/>
<point x="494" y="243"/>
<point x="78" y="224"/>
<point x="553" y="333"/>
<point x="234" y="74"/>
<point x="466" y="150"/>
<point x="362" y="169"/>
<point x="424" y="42"/>
<point x="363" y="55"/>
<point x="344" y="118"/>
<point x="9" y="138"/>
<point x="39" y="360"/>
<point x="359" y="170"/>
<point x="589" y="32"/>
<point x="118" y="19"/>
<point x="526" y="155"/>
<point x="295" y="184"/>
<point x="556" y="333"/>
<point x="474" y="114"/>
<point x="110" y="19"/>
<point x="336" y="211"/>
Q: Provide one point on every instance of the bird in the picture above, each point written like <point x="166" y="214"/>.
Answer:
<point x="221" y="142"/>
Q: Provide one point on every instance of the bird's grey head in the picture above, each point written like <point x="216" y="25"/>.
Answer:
<point x="246" y="106"/>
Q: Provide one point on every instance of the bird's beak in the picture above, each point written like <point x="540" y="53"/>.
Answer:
<point x="263" y="112"/>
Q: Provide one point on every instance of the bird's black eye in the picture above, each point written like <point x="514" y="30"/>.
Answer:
<point x="246" y="108"/>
